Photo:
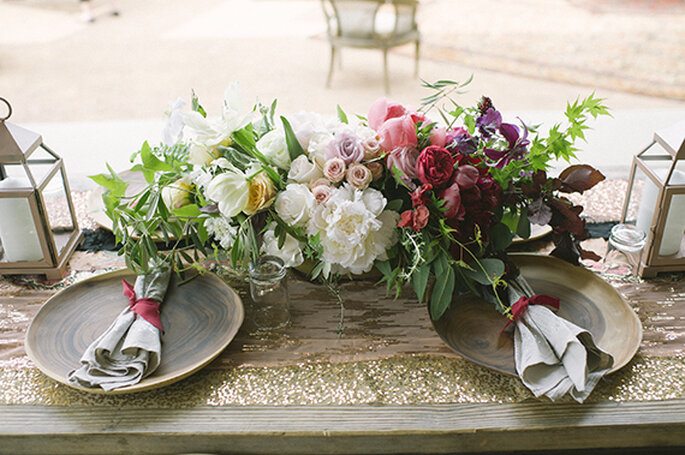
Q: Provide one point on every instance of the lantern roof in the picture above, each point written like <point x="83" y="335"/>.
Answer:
<point x="672" y="139"/>
<point x="17" y="143"/>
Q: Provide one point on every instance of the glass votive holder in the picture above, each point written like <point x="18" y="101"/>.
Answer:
<point x="269" y="292"/>
<point x="628" y="240"/>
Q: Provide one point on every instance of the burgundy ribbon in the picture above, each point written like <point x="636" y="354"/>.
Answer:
<point x="147" y="309"/>
<point x="520" y="306"/>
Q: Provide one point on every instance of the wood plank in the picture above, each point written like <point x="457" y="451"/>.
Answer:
<point x="389" y="429"/>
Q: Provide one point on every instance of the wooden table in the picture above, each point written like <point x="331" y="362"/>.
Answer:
<point x="387" y="385"/>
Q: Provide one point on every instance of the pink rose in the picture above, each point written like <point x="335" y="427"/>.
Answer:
<point x="376" y="169"/>
<point x="435" y="166"/>
<point x="334" y="170"/>
<point x="404" y="159"/>
<point x="452" y="197"/>
<point x="317" y="182"/>
<point x="345" y="146"/>
<point x="398" y="132"/>
<point x="372" y="148"/>
<point x="359" y="176"/>
<point x="439" y="136"/>
<point x="381" y="110"/>
<point x="321" y="193"/>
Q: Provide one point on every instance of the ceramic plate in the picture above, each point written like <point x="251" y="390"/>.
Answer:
<point x="200" y="319"/>
<point x="471" y="326"/>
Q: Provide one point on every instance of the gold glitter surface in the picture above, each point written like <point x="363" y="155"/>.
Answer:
<point x="405" y="380"/>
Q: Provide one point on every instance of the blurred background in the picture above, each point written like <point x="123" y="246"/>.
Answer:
<point x="96" y="90"/>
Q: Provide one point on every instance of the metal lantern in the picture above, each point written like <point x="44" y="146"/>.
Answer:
<point x="38" y="227"/>
<point x="656" y="201"/>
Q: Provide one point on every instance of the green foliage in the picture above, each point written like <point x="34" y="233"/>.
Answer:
<point x="294" y="147"/>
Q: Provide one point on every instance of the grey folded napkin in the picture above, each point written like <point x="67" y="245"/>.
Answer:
<point x="553" y="356"/>
<point x="130" y="349"/>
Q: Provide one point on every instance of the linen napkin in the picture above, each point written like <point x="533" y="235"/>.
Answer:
<point x="130" y="349"/>
<point x="553" y="356"/>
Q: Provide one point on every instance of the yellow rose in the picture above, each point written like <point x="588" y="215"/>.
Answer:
<point x="260" y="195"/>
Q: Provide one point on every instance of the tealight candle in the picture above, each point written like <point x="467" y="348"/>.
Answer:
<point x="17" y="229"/>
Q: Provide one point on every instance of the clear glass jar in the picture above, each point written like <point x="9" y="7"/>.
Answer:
<point x="630" y="241"/>
<point x="269" y="292"/>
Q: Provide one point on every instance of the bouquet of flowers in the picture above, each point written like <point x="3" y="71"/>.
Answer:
<point x="439" y="191"/>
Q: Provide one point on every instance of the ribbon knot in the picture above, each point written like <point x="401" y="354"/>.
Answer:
<point x="147" y="309"/>
<point x="521" y="304"/>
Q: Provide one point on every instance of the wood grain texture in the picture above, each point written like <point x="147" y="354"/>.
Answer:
<point x="472" y="326"/>
<point x="387" y="429"/>
<point x="200" y="319"/>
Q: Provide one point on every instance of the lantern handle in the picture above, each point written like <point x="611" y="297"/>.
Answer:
<point x="9" y="109"/>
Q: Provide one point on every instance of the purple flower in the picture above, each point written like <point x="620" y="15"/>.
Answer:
<point x="464" y="144"/>
<point x="489" y="122"/>
<point x="346" y="146"/>
<point x="517" y="146"/>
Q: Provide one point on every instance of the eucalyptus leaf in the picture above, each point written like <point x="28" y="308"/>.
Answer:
<point x="489" y="271"/>
<point x="419" y="280"/>
<point x="500" y="236"/>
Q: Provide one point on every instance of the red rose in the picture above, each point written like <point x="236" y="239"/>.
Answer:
<point x="452" y="197"/>
<point x="434" y="166"/>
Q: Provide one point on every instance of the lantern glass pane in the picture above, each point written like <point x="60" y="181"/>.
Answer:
<point x="14" y="176"/>
<point x="19" y="241"/>
<point x="58" y="211"/>
<point x="40" y="163"/>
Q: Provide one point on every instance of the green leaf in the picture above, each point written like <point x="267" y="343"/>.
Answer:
<point x="384" y="267"/>
<point x="151" y="162"/>
<point x="342" y="116"/>
<point x="187" y="211"/>
<point x="523" y="227"/>
<point x="470" y="123"/>
<point x="112" y="182"/>
<point x="489" y="271"/>
<point x="294" y="147"/>
<point x="443" y="289"/>
<point x="245" y="138"/>
<point x="419" y="280"/>
<point x="500" y="236"/>
<point x="394" y="205"/>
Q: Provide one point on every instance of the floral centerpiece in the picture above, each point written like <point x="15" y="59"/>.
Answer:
<point x="439" y="191"/>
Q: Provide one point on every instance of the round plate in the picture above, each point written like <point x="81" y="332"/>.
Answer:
<point x="200" y="319"/>
<point x="536" y="233"/>
<point x="471" y="326"/>
<point x="96" y="207"/>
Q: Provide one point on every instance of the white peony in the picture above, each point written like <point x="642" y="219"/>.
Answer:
<point x="222" y="230"/>
<point x="273" y="146"/>
<point x="295" y="204"/>
<point x="355" y="230"/>
<point x="318" y="144"/>
<point x="290" y="253"/>
<point x="304" y="171"/>
<point x="230" y="190"/>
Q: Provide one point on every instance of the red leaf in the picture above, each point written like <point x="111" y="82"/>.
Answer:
<point x="579" y="177"/>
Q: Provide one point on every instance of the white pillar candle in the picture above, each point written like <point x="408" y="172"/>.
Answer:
<point x="17" y="229"/>
<point x="675" y="220"/>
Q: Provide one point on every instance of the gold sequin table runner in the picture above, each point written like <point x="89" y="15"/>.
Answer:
<point x="387" y="353"/>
